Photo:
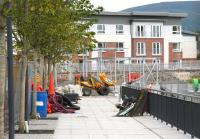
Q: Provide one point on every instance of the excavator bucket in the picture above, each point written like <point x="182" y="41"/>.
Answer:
<point x="105" y="80"/>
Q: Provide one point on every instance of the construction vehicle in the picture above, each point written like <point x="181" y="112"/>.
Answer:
<point x="101" y="85"/>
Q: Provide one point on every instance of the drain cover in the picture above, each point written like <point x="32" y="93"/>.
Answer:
<point x="82" y="116"/>
<point x="37" y="132"/>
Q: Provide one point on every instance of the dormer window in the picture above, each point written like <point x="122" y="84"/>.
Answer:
<point x="176" y="29"/>
<point x="119" y="29"/>
<point x="140" y="31"/>
<point x="155" y="31"/>
<point x="101" y="28"/>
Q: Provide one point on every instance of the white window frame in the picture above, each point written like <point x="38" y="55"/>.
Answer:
<point x="102" y="30"/>
<point x="178" y="49"/>
<point x="140" y="61"/>
<point x="140" y="31"/>
<point x="156" y="31"/>
<point x="118" y="48"/>
<point x="139" y="46"/>
<point x="118" y="30"/>
<point x="176" y="29"/>
<point x="158" y="49"/>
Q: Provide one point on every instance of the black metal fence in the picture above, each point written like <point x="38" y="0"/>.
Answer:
<point x="181" y="111"/>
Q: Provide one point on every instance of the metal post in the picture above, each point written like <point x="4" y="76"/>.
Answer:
<point x="124" y="72"/>
<point x="129" y="70"/>
<point x="86" y="65"/>
<point x="143" y="73"/>
<point x="83" y="65"/>
<point x="98" y="64"/>
<point x="157" y="72"/>
<point x="115" y="67"/>
<point x="101" y="62"/>
<point x="10" y="77"/>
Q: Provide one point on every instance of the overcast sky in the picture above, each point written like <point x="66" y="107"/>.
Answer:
<point x="117" y="5"/>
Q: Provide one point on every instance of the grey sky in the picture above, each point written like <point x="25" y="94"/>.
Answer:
<point x="117" y="5"/>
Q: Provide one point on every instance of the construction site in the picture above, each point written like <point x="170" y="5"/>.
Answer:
<point x="71" y="70"/>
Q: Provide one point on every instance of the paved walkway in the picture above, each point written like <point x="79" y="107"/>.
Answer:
<point x="96" y="120"/>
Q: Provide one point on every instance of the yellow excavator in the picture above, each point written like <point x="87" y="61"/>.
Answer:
<point x="101" y="85"/>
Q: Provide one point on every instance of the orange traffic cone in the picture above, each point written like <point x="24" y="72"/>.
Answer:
<point x="51" y="90"/>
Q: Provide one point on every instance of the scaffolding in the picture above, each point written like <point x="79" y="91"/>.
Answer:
<point x="146" y="70"/>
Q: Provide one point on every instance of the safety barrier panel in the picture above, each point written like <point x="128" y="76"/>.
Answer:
<point x="181" y="111"/>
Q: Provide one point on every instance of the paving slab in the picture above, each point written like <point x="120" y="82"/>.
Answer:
<point x="96" y="120"/>
<point x="41" y="124"/>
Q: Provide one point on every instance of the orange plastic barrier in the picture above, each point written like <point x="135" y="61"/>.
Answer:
<point x="133" y="76"/>
<point x="51" y="90"/>
<point x="77" y="78"/>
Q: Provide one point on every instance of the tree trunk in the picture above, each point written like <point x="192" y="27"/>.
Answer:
<point x="2" y="72"/>
<point x="2" y="93"/>
<point x="22" y="94"/>
<point x="49" y="69"/>
<point x="45" y="73"/>
<point x="55" y="75"/>
<point x="23" y="82"/>
<point x="34" y="108"/>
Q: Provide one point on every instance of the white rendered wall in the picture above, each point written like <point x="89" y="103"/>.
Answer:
<point x="110" y="29"/>
<point x="168" y="38"/>
<point x="147" y="28"/>
<point x="189" y="47"/>
<point x="111" y="36"/>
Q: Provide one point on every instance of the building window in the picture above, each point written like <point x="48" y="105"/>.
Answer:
<point x="176" y="47"/>
<point x="101" y="28"/>
<point x="176" y="29"/>
<point x="141" y="50"/>
<point x="119" y="29"/>
<point x="101" y="45"/>
<point x="120" y="46"/>
<point x="155" y="31"/>
<point x="140" y="31"/>
<point x="156" y="61"/>
<point x="120" y="61"/>
<point x="176" y="62"/>
<point x="140" y="61"/>
<point x="156" y="48"/>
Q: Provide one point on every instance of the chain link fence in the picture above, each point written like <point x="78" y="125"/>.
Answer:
<point x="173" y="77"/>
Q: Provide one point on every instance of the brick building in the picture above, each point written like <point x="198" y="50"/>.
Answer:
<point x="143" y="35"/>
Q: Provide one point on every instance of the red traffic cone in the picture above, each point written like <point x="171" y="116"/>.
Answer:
<point x="51" y="90"/>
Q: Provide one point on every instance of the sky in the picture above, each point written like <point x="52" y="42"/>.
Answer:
<point x="117" y="5"/>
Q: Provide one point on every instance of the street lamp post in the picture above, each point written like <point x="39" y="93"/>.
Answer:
<point x="10" y="76"/>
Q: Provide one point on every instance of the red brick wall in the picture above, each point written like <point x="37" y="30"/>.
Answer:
<point x="189" y="59"/>
<point x="148" y="42"/>
<point x="174" y="55"/>
<point x="111" y="53"/>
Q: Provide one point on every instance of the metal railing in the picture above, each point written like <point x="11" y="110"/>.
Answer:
<point x="179" y="110"/>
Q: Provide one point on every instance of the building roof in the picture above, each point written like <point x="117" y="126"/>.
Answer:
<point x="189" y="33"/>
<point x="165" y="14"/>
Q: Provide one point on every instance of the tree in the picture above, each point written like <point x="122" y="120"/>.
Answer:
<point x="2" y="68"/>
<point x="50" y="28"/>
<point x="21" y="22"/>
<point x="61" y="28"/>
